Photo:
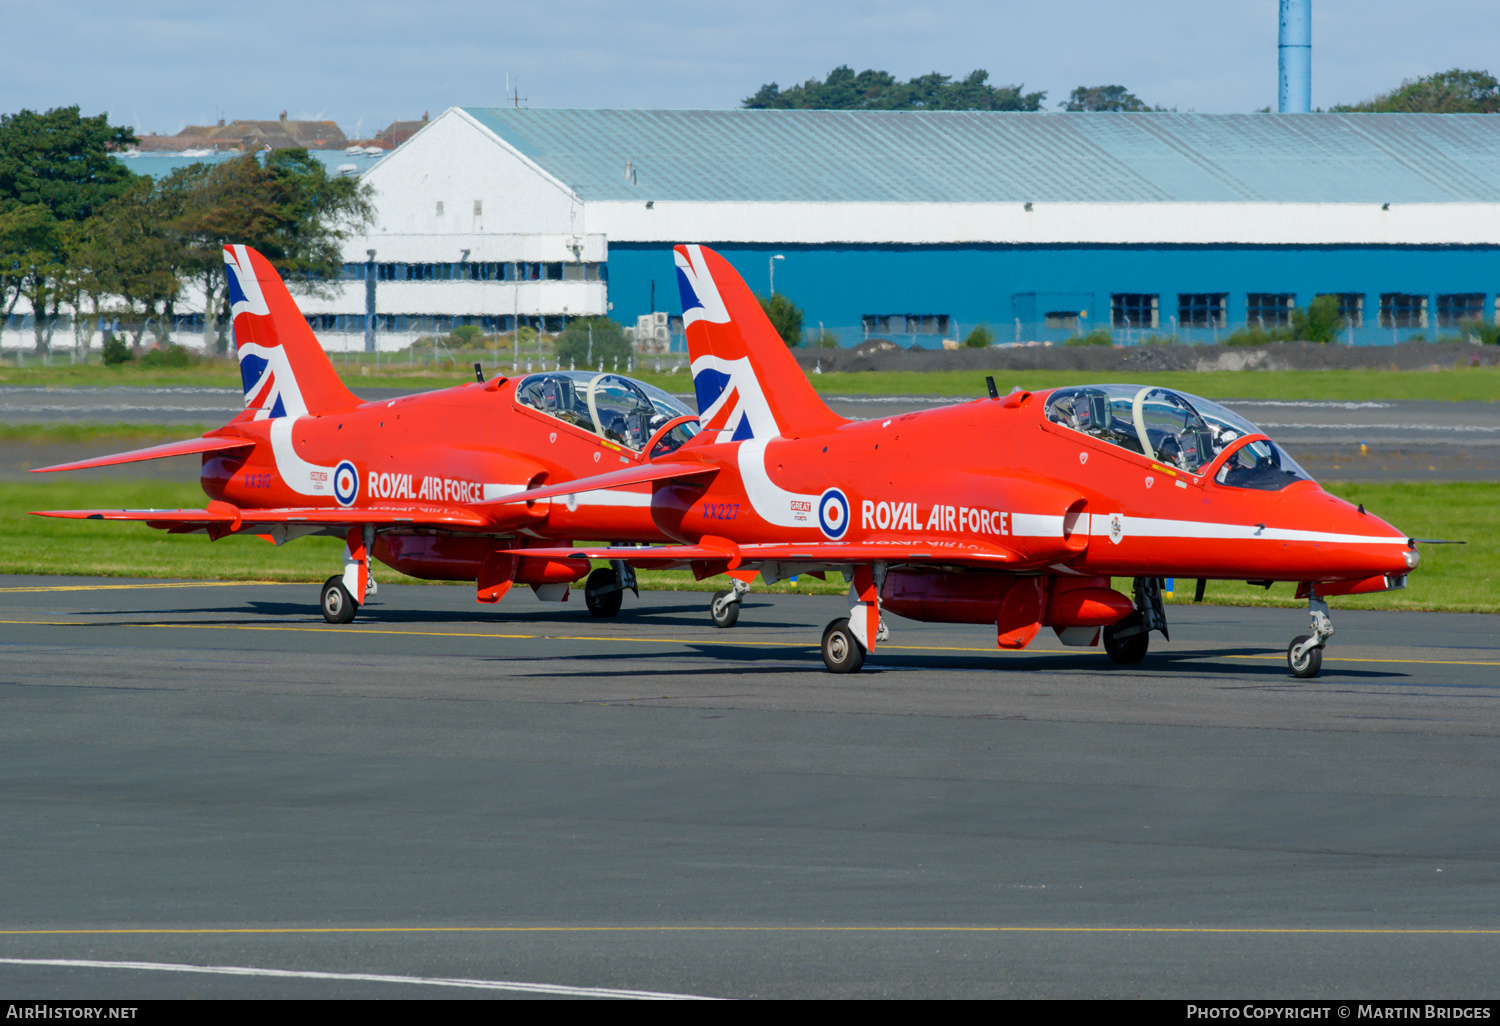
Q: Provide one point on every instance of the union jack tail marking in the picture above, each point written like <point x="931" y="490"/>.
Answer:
<point x="747" y="382"/>
<point x="283" y="369"/>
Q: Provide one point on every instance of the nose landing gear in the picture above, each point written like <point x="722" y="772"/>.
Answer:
<point x="725" y="608"/>
<point x="1305" y="654"/>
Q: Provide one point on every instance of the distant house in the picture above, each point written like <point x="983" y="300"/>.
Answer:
<point x="399" y="132"/>
<point x="251" y="136"/>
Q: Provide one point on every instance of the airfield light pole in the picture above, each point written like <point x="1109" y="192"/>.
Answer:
<point x="772" y="264"/>
<point x="370" y="301"/>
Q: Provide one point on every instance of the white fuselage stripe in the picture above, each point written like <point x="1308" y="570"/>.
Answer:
<point x="1151" y="527"/>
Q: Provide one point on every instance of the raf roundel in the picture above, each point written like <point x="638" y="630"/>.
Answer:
<point x="345" y="483"/>
<point x="833" y="514"/>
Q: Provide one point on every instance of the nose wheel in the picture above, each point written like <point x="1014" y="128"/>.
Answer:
<point x="1304" y="659"/>
<point x="725" y="608"/>
<point x="1304" y="656"/>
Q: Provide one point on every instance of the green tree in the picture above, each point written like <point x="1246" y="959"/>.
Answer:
<point x="27" y="234"/>
<point x="61" y="161"/>
<point x="288" y="208"/>
<point x="588" y="340"/>
<point x="1319" y="322"/>
<point x="879" y="90"/>
<point x="980" y="338"/>
<point x="132" y="251"/>
<point x="1448" y="92"/>
<point x="1105" y="98"/>
<point x="58" y="163"/>
<point x="785" y="317"/>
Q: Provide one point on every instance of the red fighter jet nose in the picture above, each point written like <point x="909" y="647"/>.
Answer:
<point x="1352" y="542"/>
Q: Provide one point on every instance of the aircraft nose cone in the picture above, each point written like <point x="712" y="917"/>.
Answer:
<point x="1372" y="544"/>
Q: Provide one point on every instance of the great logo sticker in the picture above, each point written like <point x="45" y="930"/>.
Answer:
<point x="345" y="483"/>
<point x="833" y="514"/>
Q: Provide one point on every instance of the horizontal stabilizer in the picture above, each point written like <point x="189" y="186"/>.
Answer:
<point x="618" y="479"/>
<point x="156" y="452"/>
<point x="222" y="514"/>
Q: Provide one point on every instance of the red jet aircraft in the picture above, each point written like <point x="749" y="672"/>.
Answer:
<point x="1013" y="510"/>
<point x="413" y="481"/>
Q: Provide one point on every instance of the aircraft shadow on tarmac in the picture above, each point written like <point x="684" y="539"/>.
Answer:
<point x="1186" y="665"/>
<point x="685" y="616"/>
<point x="1216" y="663"/>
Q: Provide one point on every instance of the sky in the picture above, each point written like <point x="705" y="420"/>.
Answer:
<point x="157" y="66"/>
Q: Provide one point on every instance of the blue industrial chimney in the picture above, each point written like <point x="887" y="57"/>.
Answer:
<point x="1295" y="95"/>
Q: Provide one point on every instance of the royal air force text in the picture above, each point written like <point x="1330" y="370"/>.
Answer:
<point x="897" y="516"/>
<point x="432" y="489"/>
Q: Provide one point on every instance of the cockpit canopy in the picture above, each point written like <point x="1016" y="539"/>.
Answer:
<point x="1176" y="429"/>
<point x="612" y="406"/>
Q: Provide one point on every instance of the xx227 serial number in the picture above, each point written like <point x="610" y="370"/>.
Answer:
<point x="720" y="510"/>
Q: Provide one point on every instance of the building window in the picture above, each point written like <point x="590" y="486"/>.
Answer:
<point x="1201" y="309"/>
<point x="1456" y="307"/>
<point x="1403" y="310"/>
<point x="554" y="272"/>
<point x="479" y="208"/>
<point x="1269" y="309"/>
<point x="906" y="324"/>
<point x="1351" y="307"/>
<point x="1067" y="320"/>
<point x="439" y="208"/>
<point x="1133" y="309"/>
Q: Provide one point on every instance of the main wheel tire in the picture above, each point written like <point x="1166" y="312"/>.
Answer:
<point x="1310" y="663"/>
<point x="724" y="613"/>
<point x="1131" y="648"/>
<point x="842" y="652"/>
<point x="337" y="604"/>
<point x="600" y="593"/>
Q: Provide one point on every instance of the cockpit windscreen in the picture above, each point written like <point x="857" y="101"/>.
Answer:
<point x="1176" y="429"/>
<point x="612" y="406"/>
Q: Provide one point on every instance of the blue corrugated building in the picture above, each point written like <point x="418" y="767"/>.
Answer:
<point x="920" y="225"/>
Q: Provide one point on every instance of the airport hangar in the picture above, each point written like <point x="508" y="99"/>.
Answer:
<point x="917" y="226"/>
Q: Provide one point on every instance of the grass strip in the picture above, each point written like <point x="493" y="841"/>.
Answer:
<point x="131" y="434"/>
<point x="1446" y="383"/>
<point x="1454" y="578"/>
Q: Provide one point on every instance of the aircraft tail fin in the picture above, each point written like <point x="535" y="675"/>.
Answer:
<point x="747" y="382"/>
<point x="282" y="366"/>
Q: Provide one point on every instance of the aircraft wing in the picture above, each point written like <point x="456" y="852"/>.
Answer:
<point x="228" y="518"/>
<point x="642" y="474"/>
<point x="155" y="452"/>
<point x="977" y="554"/>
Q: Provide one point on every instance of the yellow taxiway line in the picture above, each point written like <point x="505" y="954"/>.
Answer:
<point x="282" y="930"/>
<point x="132" y="587"/>
<point x="616" y="639"/>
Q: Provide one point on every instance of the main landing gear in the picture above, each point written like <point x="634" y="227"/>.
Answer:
<point x="847" y="639"/>
<point x="337" y="604"/>
<point x="606" y="587"/>
<point x="725" y="608"/>
<point x="336" y="601"/>
<point x="1126" y="641"/>
<point x="343" y="593"/>
<point x="1304" y="656"/>
<point x="842" y="652"/>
